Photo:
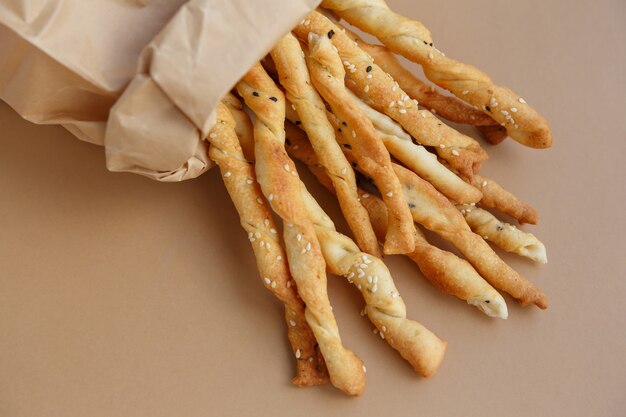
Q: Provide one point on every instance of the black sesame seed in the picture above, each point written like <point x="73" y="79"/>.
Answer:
<point x="347" y="146"/>
<point x="354" y="164"/>
<point x="339" y="130"/>
<point x="487" y="301"/>
<point x="411" y="205"/>
<point x="488" y="108"/>
<point x="425" y="43"/>
<point x="274" y="99"/>
<point x="344" y="123"/>
<point x="298" y="122"/>
<point x="430" y="44"/>
<point x="255" y="94"/>
<point x="331" y="33"/>
<point x="369" y="68"/>
<point x="287" y="141"/>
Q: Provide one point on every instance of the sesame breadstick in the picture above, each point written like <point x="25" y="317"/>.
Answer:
<point x="461" y="152"/>
<point x="411" y="39"/>
<point x="384" y="306"/>
<point x="327" y="75"/>
<point x="418" y="159"/>
<point x="256" y="219"/>
<point x="495" y="196"/>
<point x="504" y="235"/>
<point x="294" y="77"/>
<point x="279" y="181"/>
<point x="243" y="125"/>
<point x="448" y="272"/>
<point x="433" y="211"/>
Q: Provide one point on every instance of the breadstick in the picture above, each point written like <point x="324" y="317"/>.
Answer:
<point x="461" y="152"/>
<point x="451" y="274"/>
<point x="289" y="60"/>
<point x="432" y="210"/>
<point x="504" y="235"/>
<point x="328" y="75"/>
<point x="412" y="40"/>
<point x="418" y="159"/>
<point x="279" y="181"/>
<point x="384" y="306"/>
<point x="495" y="196"/>
<point x="447" y="107"/>
<point x="243" y="125"/>
<point x="257" y="221"/>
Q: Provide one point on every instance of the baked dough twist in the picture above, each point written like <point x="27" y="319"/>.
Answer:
<point x="460" y="151"/>
<point x="384" y="306"/>
<point x="256" y="219"/>
<point x="289" y="60"/>
<point x="412" y="40"/>
<point x="418" y="159"/>
<point x="327" y="75"/>
<point x="448" y="272"/>
<point x="277" y="175"/>
<point x="503" y="235"/>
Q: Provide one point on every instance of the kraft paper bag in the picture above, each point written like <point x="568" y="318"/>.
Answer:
<point x="140" y="77"/>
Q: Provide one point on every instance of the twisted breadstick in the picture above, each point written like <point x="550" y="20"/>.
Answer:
<point x="294" y="77"/>
<point x="327" y="75"/>
<point x="412" y="40"/>
<point x="446" y="271"/>
<point x="503" y="235"/>
<point x="495" y="196"/>
<point x="279" y="181"/>
<point x="418" y="159"/>
<point x="461" y="152"/>
<point x="243" y="125"/>
<point x="386" y="310"/>
<point x="436" y="213"/>
<point x="256" y="219"/>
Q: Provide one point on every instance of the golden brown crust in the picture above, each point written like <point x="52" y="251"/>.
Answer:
<point x="257" y="221"/>
<point x="495" y="196"/>
<point x="327" y="75"/>
<point x="412" y="40"/>
<point x="277" y="175"/>
<point x="384" y="306"/>
<point x="294" y="77"/>
<point x="445" y="270"/>
<point x="461" y="152"/>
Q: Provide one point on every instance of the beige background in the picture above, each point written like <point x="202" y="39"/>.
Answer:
<point x="120" y="296"/>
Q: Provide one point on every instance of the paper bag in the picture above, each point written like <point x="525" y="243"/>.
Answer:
<point x="141" y="77"/>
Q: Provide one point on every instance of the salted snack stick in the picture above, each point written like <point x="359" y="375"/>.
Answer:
<point x="433" y="211"/>
<point x="256" y="219"/>
<point x="279" y="181"/>
<point x="383" y="304"/>
<point x="327" y="75"/>
<point x="503" y="235"/>
<point x="243" y="125"/>
<point x="418" y="159"/>
<point x="446" y="271"/>
<point x="294" y="76"/>
<point x="412" y="40"/>
<point x="460" y="151"/>
<point x="495" y="196"/>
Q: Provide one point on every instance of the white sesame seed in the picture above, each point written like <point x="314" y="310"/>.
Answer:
<point x="290" y="225"/>
<point x="416" y="102"/>
<point x="402" y="111"/>
<point x="394" y="88"/>
<point x="352" y="70"/>
<point x="363" y="312"/>
<point x="307" y="22"/>
<point x="423" y="115"/>
<point x="258" y="200"/>
<point x="434" y="111"/>
<point x="455" y="152"/>
<point x="273" y="231"/>
<point x="400" y="103"/>
<point x="286" y="167"/>
<point x="361" y="273"/>
<point x="367" y="88"/>
<point x="346" y="63"/>
<point x="266" y="222"/>
<point x="521" y="100"/>
<point x="504" y="112"/>
<point x="442" y="146"/>
<point x="289" y="284"/>
<point x="270" y="197"/>
<point x="375" y="279"/>
<point x="514" y="109"/>
<point x="279" y="258"/>
<point x="213" y="135"/>
<point x="369" y="279"/>
<point x="394" y="294"/>
<point x="273" y="284"/>
<point x="363" y="266"/>
<point x="353" y="134"/>
<point x="365" y="195"/>
<point x="486" y="237"/>
<point x="298" y="237"/>
<point x="257" y="234"/>
<point x="359" y="286"/>
<point x="303" y="251"/>
<point x="351" y="274"/>
<point x="267" y="280"/>
<point x="308" y="246"/>
<point x="249" y="181"/>
<point x="384" y="328"/>
<point x="465" y="92"/>
<point x="369" y="76"/>
<point x="262" y="243"/>
<point x="364" y="369"/>
<point x="375" y="288"/>
<point x="382" y="335"/>
<point x="293" y="107"/>
<point x="228" y="174"/>
<point x="430" y="55"/>
<point x="392" y="103"/>
<point x="293" y="323"/>
<point x="484" y="184"/>
<point x="390" y="194"/>
<point x="297" y="353"/>
<point x="375" y="331"/>
<point x="344" y="170"/>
